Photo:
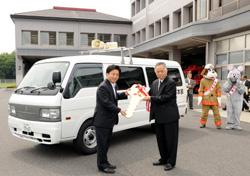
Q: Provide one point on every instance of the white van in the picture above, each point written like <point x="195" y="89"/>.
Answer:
<point x="56" y="99"/>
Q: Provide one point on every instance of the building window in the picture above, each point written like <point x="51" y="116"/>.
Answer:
<point x="47" y="38"/>
<point x="120" y="39"/>
<point x="222" y="73"/>
<point x="222" y="46"/>
<point x="218" y="71"/>
<point x="203" y="8"/>
<point x="220" y="3"/>
<point x="133" y="39"/>
<point x="66" y="38"/>
<point x="137" y="6"/>
<point x="237" y="43"/>
<point x="143" y="4"/>
<point x="221" y="59"/>
<point x="210" y="5"/>
<point x="150" y="1"/>
<point x="165" y="24"/>
<point x="248" y="41"/>
<point x="177" y="19"/>
<point x="86" y="38"/>
<point x="247" y="58"/>
<point x="138" y="37"/>
<point x="190" y="14"/>
<point x="143" y="35"/>
<point x="133" y="9"/>
<point x="236" y="57"/>
<point x="151" y="31"/>
<point x="30" y="37"/>
<point x="158" y="28"/>
<point x="104" y="37"/>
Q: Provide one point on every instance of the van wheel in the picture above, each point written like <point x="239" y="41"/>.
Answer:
<point x="86" y="139"/>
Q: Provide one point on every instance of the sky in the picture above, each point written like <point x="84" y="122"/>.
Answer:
<point x="119" y="8"/>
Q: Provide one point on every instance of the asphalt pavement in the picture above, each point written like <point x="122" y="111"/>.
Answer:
<point x="201" y="152"/>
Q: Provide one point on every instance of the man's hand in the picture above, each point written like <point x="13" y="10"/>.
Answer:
<point x="126" y="92"/>
<point x="147" y="98"/>
<point x="123" y="113"/>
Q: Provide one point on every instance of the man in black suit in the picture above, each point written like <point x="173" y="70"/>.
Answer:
<point x="106" y="116"/>
<point x="246" y="93"/>
<point x="165" y="112"/>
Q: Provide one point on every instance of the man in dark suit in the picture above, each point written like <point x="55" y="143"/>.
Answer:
<point x="190" y="85"/>
<point x="106" y="116"/>
<point x="246" y="93"/>
<point x="165" y="112"/>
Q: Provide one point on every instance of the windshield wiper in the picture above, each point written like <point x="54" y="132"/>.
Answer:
<point x="25" y="87"/>
<point x="39" y="88"/>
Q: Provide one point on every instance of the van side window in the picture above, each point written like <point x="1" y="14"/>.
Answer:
<point x="85" y="75"/>
<point x="151" y="75"/>
<point x="172" y="73"/>
<point x="130" y="76"/>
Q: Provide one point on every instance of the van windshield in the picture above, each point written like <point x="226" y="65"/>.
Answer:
<point x="41" y="74"/>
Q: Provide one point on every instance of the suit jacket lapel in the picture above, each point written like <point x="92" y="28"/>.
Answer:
<point x="163" y="84"/>
<point x="155" y="86"/>
<point x="110" y="89"/>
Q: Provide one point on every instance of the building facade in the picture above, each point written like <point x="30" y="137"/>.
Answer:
<point x="63" y="31"/>
<point x="193" y="31"/>
<point x="187" y="31"/>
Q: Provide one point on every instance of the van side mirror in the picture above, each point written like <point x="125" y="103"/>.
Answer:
<point x="56" y="77"/>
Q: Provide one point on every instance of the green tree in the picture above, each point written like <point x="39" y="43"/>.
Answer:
<point x="7" y="66"/>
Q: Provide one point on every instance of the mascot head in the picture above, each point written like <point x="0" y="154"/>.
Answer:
<point x="209" y="72"/>
<point x="234" y="73"/>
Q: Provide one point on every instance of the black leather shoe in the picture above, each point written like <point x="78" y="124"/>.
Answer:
<point x="107" y="170"/>
<point x="168" y="167"/>
<point x="111" y="166"/>
<point x="158" y="163"/>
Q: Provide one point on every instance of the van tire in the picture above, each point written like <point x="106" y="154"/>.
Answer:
<point x="85" y="143"/>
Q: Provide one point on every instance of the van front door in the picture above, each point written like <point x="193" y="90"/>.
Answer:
<point x="79" y="98"/>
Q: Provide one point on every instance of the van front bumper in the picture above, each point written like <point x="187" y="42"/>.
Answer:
<point x="39" y="132"/>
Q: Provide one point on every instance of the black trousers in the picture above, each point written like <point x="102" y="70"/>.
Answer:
<point x="103" y="137"/>
<point x="167" y="140"/>
<point x="190" y="100"/>
<point x="244" y="106"/>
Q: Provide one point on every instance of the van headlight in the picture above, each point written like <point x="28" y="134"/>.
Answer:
<point x="12" y="110"/>
<point x="50" y="113"/>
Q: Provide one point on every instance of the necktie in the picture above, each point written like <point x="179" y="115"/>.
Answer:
<point x="114" y="90"/>
<point x="159" y="85"/>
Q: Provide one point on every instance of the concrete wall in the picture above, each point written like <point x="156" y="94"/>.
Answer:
<point x="57" y="50"/>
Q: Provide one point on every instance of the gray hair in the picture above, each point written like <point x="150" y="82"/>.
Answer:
<point x="161" y="63"/>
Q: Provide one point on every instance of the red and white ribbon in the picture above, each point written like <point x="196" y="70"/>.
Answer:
<point x="233" y="89"/>
<point x="212" y="87"/>
<point x="142" y="90"/>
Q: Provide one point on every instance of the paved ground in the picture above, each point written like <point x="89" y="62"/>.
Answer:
<point x="202" y="152"/>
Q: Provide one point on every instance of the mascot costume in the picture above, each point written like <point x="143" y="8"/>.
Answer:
<point x="234" y="89"/>
<point x="209" y="96"/>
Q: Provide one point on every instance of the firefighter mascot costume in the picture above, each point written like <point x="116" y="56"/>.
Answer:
<point x="209" y="96"/>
